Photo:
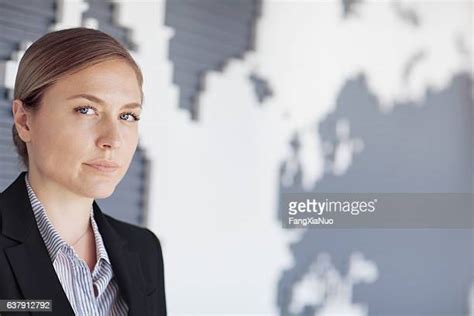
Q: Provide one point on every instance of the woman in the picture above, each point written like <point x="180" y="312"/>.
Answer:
<point x="77" y="102"/>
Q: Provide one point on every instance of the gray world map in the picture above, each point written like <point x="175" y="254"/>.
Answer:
<point x="416" y="148"/>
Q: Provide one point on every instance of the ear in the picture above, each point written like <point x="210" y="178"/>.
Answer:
<point x="21" y="118"/>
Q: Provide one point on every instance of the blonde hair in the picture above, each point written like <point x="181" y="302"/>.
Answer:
<point x="55" y="55"/>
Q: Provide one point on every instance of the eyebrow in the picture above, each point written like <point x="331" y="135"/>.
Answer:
<point x="95" y="99"/>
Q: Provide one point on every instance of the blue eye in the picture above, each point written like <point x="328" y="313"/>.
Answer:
<point x="84" y="109"/>
<point x="127" y="115"/>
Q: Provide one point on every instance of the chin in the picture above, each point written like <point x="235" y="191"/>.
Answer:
<point x="100" y="192"/>
<point x="103" y="195"/>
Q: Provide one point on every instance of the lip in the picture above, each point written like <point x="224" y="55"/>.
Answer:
<point x="103" y="165"/>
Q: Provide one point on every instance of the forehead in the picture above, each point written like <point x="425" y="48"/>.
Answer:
<point x="109" y="80"/>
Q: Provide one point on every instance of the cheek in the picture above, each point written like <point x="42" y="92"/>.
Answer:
<point x="58" y="140"/>
<point x="130" y="141"/>
<point x="129" y="145"/>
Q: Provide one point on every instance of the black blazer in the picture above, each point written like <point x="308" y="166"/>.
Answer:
<point x="26" y="270"/>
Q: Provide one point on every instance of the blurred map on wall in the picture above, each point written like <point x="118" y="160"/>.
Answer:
<point x="384" y="92"/>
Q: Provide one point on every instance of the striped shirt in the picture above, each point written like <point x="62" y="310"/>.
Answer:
<point x="95" y="293"/>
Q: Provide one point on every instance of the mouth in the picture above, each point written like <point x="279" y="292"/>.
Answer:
<point x="102" y="168"/>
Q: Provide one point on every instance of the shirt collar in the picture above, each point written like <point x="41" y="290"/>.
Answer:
<point x="53" y="241"/>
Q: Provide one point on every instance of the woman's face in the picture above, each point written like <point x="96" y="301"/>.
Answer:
<point x="84" y="118"/>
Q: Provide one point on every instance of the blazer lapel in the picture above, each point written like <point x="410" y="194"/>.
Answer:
<point x="125" y="264"/>
<point x="29" y="259"/>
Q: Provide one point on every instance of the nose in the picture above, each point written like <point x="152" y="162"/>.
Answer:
<point x="110" y="136"/>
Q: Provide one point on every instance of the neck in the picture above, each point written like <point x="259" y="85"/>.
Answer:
<point x="68" y="212"/>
